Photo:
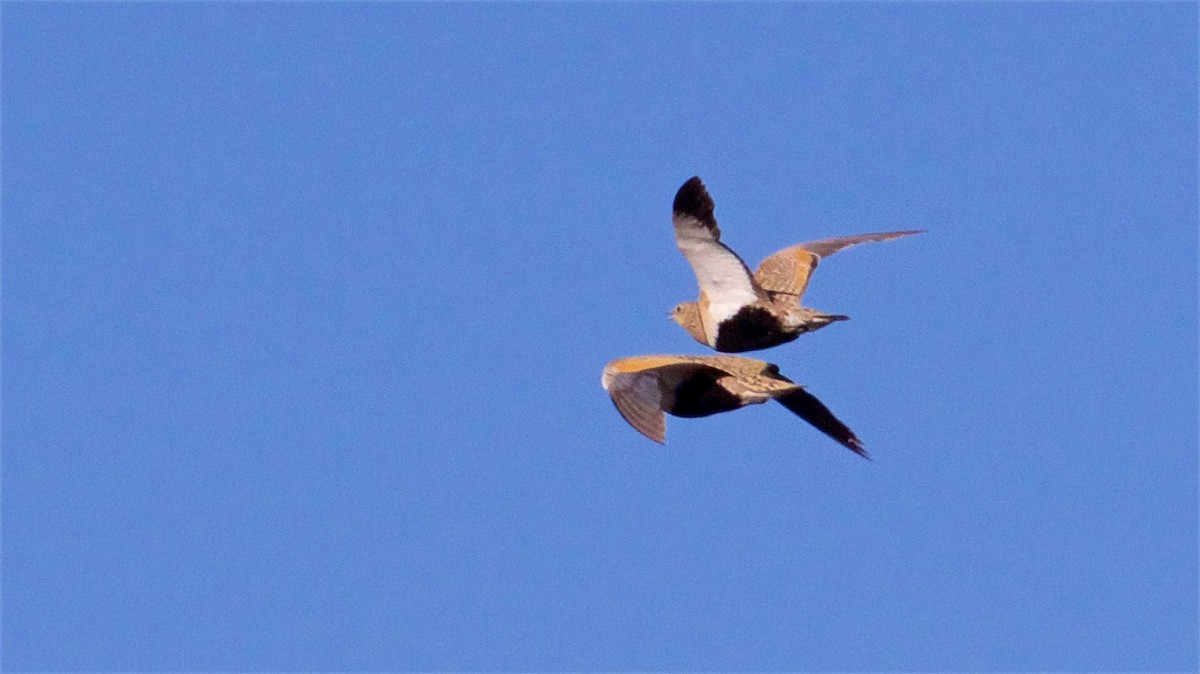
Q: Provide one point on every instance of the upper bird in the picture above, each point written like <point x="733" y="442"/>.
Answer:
<point x="739" y="311"/>
<point x="643" y="388"/>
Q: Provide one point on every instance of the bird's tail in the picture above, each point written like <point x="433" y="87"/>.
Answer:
<point x="825" y="319"/>
<point x="810" y="320"/>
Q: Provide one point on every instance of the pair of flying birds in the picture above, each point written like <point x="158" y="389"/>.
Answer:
<point x="737" y="311"/>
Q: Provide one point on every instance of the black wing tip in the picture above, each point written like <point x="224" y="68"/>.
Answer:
<point x="809" y="408"/>
<point x="692" y="199"/>
<point x="846" y="438"/>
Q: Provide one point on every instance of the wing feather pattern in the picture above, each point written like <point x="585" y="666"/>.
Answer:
<point x="724" y="279"/>
<point x="827" y="247"/>
<point x="638" y="397"/>
<point x="788" y="271"/>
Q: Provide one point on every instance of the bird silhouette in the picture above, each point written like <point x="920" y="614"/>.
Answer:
<point x="738" y="311"/>
<point x="645" y="388"/>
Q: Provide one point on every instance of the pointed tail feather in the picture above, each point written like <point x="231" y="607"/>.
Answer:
<point x="826" y="319"/>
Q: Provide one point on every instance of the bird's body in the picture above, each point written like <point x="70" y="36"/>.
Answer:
<point x="739" y="311"/>
<point x="760" y="325"/>
<point x="644" y="388"/>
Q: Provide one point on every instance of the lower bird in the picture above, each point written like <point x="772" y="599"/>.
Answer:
<point x="645" y="388"/>
<point x="739" y="311"/>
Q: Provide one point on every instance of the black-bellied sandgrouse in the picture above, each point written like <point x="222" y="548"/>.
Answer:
<point x="739" y="311"/>
<point x="643" y="388"/>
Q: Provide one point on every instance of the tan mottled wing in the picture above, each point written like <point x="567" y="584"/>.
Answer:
<point x="738" y="366"/>
<point x="724" y="280"/>
<point x="787" y="272"/>
<point x="754" y="381"/>
<point x="756" y="388"/>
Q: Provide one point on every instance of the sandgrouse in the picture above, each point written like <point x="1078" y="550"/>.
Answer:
<point x="643" y="388"/>
<point x="739" y="311"/>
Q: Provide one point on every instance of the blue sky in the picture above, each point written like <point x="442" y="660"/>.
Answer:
<point x="305" y="307"/>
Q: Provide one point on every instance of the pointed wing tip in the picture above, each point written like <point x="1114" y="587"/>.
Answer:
<point x="827" y="247"/>
<point x="692" y="199"/>
<point x="809" y="408"/>
<point x="654" y="431"/>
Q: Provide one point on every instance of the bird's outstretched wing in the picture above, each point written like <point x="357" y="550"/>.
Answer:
<point x="725" y="281"/>
<point x="827" y="247"/>
<point x="637" y="388"/>
<point x="806" y="406"/>
<point x="638" y="397"/>
<point x="787" y="272"/>
<point x="643" y="388"/>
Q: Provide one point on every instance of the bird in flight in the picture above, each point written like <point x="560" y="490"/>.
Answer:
<point x="739" y="311"/>
<point x="643" y="388"/>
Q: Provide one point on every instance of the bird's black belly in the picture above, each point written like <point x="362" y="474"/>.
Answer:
<point x="750" y="329"/>
<point x="700" y="395"/>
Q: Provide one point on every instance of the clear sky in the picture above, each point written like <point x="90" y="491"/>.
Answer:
<point x="305" y="308"/>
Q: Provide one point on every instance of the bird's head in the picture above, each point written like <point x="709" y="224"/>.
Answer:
<point x="680" y="313"/>
<point x="687" y="315"/>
